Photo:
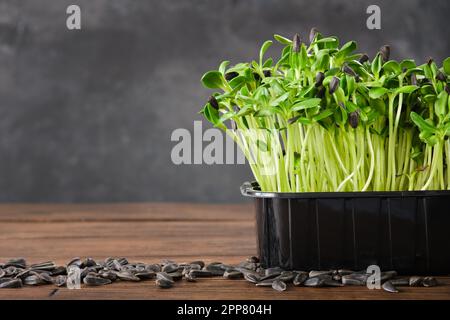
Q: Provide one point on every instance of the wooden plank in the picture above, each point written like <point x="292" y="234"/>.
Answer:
<point x="125" y="212"/>
<point x="142" y="240"/>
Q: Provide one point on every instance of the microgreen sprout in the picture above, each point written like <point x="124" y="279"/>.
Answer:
<point x="324" y="118"/>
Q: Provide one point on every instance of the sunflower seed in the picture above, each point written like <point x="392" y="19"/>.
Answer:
<point x="164" y="276"/>
<point x="33" y="280"/>
<point x="110" y="275"/>
<point x="145" y="275"/>
<point x="198" y="262"/>
<point x="429" y="282"/>
<point x="171" y="267"/>
<point x="23" y="274"/>
<point x="265" y="283"/>
<point x="60" y="270"/>
<point x="315" y="273"/>
<point x="387" y="275"/>
<point x="389" y="287"/>
<point x="279" y="285"/>
<point x="296" y="42"/>
<point x="11" y="283"/>
<point x="201" y="273"/>
<point x="60" y="280"/>
<point x="232" y="274"/>
<point x="75" y="262"/>
<point x="353" y="119"/>
<point x="48" y="265"/>
<point x="176" y="275"/>
<point x="215" y="269"/>
<point x="253" y="259"/>
<point x="127" y="276"/>
<point x="400" y="282"/>
<point x="300" y="278"/>
<point x="45" y="277"/>
<point x="364" y="58"/>
<point x="189" y="277"/>
<point x="354" y="279"/>
<point x="334" y="84"/>
<point x="17" y="262"/>
<point x="415" y="281"/>
<point x="116" y="265"/>
<point x="251" y="277"/>
<point x="153" y="267"/>
<point x="3" y="280"/>
<point x="231" y="75"/>
<point x="2" y="273"/>
<point x="312" y="34"/>
<point x="337" y="277"/>
<point x="93" y="280"/>
<point x="248" y="265"/>
<point x="314" y="282"/>
<point x="385" y="52"/>
<point x="286" y="276"/>
<point x="11" y="271"/>
<point x="164" y="283"/>
<point x="273" y="272"/>
<point x="89" y="262"/>
<point x="319" y="79"/>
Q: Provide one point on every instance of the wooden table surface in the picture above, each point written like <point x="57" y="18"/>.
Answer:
<point x="151" y="232"/>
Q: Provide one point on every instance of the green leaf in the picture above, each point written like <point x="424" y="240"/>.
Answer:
<point x="263" y="50"/>
<point x="376" y="65"/>
<point x="223" y="66"/>
<point x="245" y="110"/>
<point x="211" y="114"/>
<point x="446" y="65"/>
<point x="282" y="39"/>
<point x="302" y="120"/>
<point x="407" y="64"/>
<point x="237" y="82"/>
<point x="421" y="123"/>
<point x="406" y="89"/>
<point x="306" y="104"/>
<point x="430" y="98"/>
<point x="326" y="40"/>
<point x="378" y="92"/>
<point x="322" y="60"/>
<point x="324" y="114"/>
<point x="279" y="100"/>
<point x="303" y="57"/>
<point x="266" y="112"/>
<point x="392" y="66"/>
<point x="440" y="106"/>
<point x="268" y="63"/>
<point x="213" y="80"/>
<point x="346" y="49"/>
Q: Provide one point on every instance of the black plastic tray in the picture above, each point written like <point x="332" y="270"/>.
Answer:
<point x="404" y="231"/>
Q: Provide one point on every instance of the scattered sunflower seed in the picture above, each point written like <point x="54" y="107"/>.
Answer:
<point x="429" y="282"/>
<point x="389" y="287"/>
<point x="279" y="285"/>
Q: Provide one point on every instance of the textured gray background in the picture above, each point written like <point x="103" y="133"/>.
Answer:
<point x="87" y="115"/>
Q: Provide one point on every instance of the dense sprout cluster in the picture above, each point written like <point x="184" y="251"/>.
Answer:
<point x="324" y="118"/>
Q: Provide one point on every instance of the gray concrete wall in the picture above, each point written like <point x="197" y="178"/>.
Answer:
<point x="87" y="115"/>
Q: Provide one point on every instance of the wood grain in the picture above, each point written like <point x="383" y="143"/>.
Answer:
<point x="150" y="233"/>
